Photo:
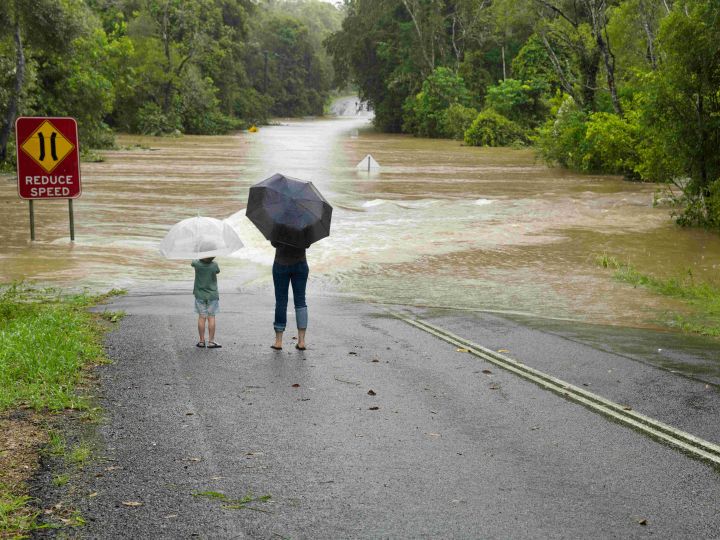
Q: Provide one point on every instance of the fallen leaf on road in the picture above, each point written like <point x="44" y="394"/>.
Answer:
<point x="627" y="408"/>
<point x="462" y="350"/>
<point x="371" y="392"/>
<point x="486" y="371"/>
<point x="503" y="350"/>
<point x="192" y="459"/>
<point x="433" y="434"/>
<point x="353" y="353"/>
<point x="170" y="516"/>
<point x="132" y="503"/>
<point x="494" y="386"/>
<point x="93" y="494"/>
<point x="189" y="413"/>
<point x="113" y="468"/>
<point x="375" y="360"/>
<point x="296" y="385"/>
<point x="373" y="408"/>
<point x="642" y="521"/>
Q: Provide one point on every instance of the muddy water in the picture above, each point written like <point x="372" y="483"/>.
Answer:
<point x="439" y="224"/>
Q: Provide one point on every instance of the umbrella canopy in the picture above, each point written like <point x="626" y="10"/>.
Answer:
<point x="199" y="237"/>
<point x="289" y="211"/>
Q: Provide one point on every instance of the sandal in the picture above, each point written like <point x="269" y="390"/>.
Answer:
<point x="200" y="344"/>
<point x="213" y="345"/>
<point x="299" y="348"/>
<point x="276" y="348"/>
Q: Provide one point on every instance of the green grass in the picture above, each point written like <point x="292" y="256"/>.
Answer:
<point x="79" y="454"/>
<point x="45" y="339"/>
<point x="60" y="480"/>
<point x="703" y="297"/>
<point x="16" y="521"/>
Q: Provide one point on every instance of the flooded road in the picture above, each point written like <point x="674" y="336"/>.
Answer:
<point x="439" y="224"/>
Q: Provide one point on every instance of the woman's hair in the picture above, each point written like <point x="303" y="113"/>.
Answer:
<point x="207" y="260"/>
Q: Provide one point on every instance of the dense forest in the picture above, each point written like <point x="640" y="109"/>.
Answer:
<point x="626" y="87"/>
<point x="162" y="66"/>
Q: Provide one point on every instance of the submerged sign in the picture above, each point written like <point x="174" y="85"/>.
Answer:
<point x="48" y="160"/>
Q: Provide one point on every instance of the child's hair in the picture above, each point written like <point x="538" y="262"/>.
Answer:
<point x="207" y="260"/>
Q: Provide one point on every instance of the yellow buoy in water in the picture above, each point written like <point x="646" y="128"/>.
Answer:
<point x="252" y="129"/>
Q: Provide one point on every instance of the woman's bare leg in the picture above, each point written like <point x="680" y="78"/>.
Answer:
<point x="301" y="337"/>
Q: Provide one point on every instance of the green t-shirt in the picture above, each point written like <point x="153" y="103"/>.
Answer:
<point x="205" y="287"/>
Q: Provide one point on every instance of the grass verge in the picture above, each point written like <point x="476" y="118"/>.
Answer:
<point x="704" y="297"/>
<point x="47" y="338"/>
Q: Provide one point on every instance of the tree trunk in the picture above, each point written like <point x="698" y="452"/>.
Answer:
<point x="168" y="86"/>
<point x="502" y="52"/>
<point x="589" y="67"/>
<point x="609" y="59"/>
<point x="19" y="81"/>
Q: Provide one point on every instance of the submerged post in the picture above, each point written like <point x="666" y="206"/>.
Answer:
<point x="72" y="220"/>
<point x="32" y="221"/>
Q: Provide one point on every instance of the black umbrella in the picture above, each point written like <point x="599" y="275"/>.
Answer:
<point x="289" y="211"/>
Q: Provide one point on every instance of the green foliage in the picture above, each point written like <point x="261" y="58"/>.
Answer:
<point x="457" y="119"/>
<point x="610" y="145"/>
<point x="562" y="138"/>
<point x="492" y="129"/>
<point x="522" y="102"/>
<point x="424" y="113"/>
<point x="163" y="66"/>
<point x="533" y="63"/>
<point x="151" y="120"/>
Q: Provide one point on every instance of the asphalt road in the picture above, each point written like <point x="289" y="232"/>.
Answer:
<point x="442" y="450"/>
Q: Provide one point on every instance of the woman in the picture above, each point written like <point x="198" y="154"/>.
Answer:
<point x="290" y="267"/>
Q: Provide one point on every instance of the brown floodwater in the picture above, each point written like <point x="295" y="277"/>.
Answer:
<point x="440" y="224"/>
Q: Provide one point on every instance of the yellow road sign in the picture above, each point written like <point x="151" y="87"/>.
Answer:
<point x="47" y="146"/>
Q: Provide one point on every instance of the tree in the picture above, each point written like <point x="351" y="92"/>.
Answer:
<point x="681" y="108"/>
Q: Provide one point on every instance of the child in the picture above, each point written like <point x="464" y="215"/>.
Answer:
<point x="206" y="298"/>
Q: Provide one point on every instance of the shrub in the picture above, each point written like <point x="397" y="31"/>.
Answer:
<point x="519" y="101"/>
<point x="492" y="129"/>
<point x="423" y="113"/>
<point x="562" y="138"/>
<point x="610" y="145"/>
<point x="152" y="121"/>
<point x="457" y="119"/>
<point x="252" y="106"/>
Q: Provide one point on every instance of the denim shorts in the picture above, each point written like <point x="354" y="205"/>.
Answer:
<point x="206" y="308"/>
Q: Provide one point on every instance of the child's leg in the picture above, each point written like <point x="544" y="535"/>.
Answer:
<point x="201" y="328"/>
<point x="211" y="328"/>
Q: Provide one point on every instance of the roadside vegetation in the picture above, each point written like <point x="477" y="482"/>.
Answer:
<point x="161" y="67"/>
<point x="703" y="297"/>
<point x="624" y="87"/>
<point x="47" y="341"/>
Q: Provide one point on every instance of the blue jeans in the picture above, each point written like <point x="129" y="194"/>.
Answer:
<point x="283" y="276"/>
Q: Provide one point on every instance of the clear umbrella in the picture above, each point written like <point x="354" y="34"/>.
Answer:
<point x="200" y="237"/>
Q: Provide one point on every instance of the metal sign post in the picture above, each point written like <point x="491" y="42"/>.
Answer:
<point x="48" y="162"/>
<point x="32" y="221"/>
<point x="72" y="221"/>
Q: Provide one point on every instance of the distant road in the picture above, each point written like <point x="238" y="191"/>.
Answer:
<point x="350" y="106"/>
